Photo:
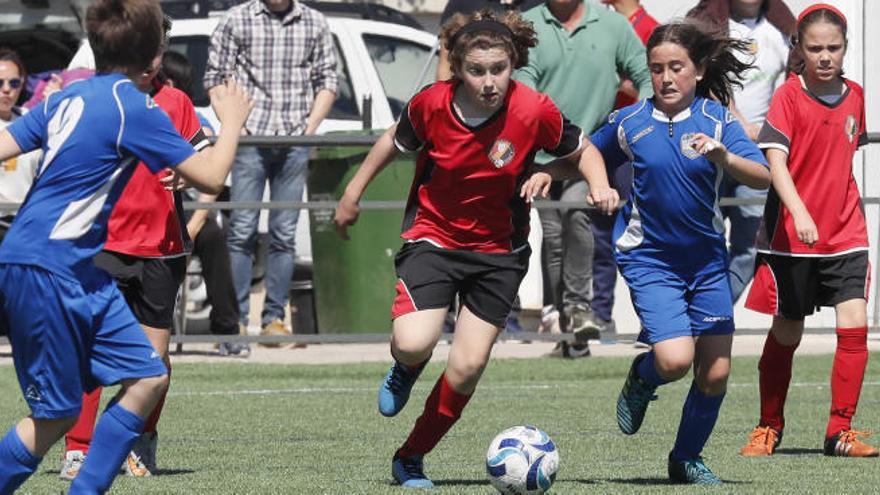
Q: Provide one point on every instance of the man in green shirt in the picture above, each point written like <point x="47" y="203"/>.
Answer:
<point x="581" y="49"/>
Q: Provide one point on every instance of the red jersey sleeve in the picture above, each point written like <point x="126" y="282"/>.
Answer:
<point x="556" y="134"/>
<point x="779" y="124"/>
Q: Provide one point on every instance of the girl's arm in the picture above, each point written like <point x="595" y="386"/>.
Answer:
<point x="745" y="171"/>
<point x="377" y="159"/>
<point x="591" y="167"/>
<point x="787" y="192"/>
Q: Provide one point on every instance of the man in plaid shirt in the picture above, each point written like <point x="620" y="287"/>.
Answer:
<point x="282" y="53"/>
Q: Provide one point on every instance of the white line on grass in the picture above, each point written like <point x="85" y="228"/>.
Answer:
<point x="342" y="390"/>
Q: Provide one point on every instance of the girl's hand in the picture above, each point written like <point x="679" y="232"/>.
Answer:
<point x="536" y="185"/>
<point x="347" y="212"/>
<point x="173" y="181"/>
<point x="713" y="150"/>
<point x="605" y="199"/>
<point x="806" y="229"/>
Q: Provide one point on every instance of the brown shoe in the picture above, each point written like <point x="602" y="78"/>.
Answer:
<point x="847" y="444"/>
<point x="275" y="327"/>
<point x="762" y="442"/>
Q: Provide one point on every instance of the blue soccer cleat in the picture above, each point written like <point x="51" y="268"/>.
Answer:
<point x="409" y="472"/>
<point x="632" y="403"/>
<point x="395" y="388"/>
<point x="692" y="472"/>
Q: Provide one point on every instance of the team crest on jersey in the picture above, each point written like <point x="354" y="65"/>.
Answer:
<point x="685" y="145"/>
<point x="850" y="128"/>
<point x="501" y="153"/>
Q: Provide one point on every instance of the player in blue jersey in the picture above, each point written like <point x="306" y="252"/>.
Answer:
<point x="669" y="237"/>
<point x="69" y="325"/>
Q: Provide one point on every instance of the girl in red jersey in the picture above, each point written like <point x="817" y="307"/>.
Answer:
<point x="813" y="245"/>
<point x="466" y="222"/>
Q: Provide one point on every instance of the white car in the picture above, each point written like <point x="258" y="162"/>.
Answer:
<point x="380" y="64"/>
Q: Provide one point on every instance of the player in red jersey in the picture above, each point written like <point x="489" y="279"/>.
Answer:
<point x="813" y="244"/>
<point x="466" y="222"/>
<point x="145" y="253"/>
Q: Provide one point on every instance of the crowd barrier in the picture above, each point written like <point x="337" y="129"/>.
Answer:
<point x="180" y="338"/>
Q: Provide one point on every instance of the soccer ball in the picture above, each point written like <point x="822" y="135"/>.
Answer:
<point x="522" y="461"/>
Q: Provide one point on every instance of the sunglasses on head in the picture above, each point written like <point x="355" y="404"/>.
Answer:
<point x="14" y="83"/>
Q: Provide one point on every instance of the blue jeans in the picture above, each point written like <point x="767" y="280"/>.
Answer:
<point x="285" y="169"/>
<point x="744" y="223"/>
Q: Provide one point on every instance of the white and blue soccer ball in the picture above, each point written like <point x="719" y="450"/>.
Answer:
<point x="522" y="461"/>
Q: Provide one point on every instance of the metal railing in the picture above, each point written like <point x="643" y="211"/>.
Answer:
<point x="363" y="140"/>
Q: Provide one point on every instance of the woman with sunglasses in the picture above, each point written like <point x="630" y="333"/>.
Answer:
<point x="16" y="174"/>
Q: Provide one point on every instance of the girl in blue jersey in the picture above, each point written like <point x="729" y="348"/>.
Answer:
<point x="669" y="237"/>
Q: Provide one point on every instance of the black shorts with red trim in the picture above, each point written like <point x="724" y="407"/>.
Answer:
<point x="429" y="277"/>
<point x="795" y="286"/>
<point x="149" y="285"/>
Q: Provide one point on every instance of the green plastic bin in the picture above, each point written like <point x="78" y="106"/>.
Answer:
<point x="354" y="280"/>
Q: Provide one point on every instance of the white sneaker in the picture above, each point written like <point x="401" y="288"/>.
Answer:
<point x="71" y="464"/>
<point x="549" y="320"/>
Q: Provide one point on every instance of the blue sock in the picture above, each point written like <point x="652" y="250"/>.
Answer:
<point x="698" y="418"/>
<point x="648" y="372"/>
<point x="17" y="463"/>
<point x="115" y="433"/>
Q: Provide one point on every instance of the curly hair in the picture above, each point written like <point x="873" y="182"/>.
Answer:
<point x="517" y="46"/>
<point x="710" y="50"/>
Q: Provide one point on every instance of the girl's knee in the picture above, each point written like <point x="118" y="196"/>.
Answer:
<point x="714" y="382"/>
<point x="673" y="368"/>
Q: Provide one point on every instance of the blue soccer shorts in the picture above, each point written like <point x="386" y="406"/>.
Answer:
<point x="68" y="337"/>
<point x="671" y="304"/>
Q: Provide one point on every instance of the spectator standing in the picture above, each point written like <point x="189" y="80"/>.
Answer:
<point x="768" y="26"/>
<point x="282" y="53"/>
<point x="16" y="173"/>
<point x="209" y="238"/>
<point x="583" y="42"/>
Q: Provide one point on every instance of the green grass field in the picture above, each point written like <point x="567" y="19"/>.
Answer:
<point x="251" y="428"/>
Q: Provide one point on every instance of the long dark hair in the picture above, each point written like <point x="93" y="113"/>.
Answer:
<point x="709" y="50"/>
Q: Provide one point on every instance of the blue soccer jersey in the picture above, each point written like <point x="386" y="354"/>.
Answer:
<point x="92" y="135"/>
<point x="672" y="218"/>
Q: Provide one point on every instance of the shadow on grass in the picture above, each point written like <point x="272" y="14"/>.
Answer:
<point x="798" y="451"/>
<point x="160" y="472"/>
<point x="661" y="481"/>
<point x="173" y="472"/>
<point x="461" y="482"/>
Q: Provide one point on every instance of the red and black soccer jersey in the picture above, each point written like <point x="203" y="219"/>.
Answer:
<point x="820" y="140"/>
<point x="147" y="221"/>
<point x="465" y="194"/>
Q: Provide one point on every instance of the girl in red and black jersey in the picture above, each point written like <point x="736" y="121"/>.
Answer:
<point x="813" y="244"/>
<point x="466" y="222"/>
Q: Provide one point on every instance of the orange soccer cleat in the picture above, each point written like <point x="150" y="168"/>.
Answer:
<point x="762" y="442"/>
<point x="847" y="444"/>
